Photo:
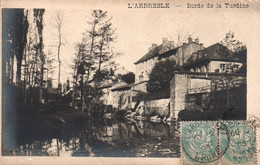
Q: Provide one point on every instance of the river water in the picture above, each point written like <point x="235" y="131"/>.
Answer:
<point x="99" y="137"/>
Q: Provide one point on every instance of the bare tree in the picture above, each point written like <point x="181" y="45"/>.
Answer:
<point x="179" y="37"/>
<point x="59" y="21"/>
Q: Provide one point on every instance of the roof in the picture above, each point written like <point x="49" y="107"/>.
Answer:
<point x="157" y="52"/>
<point x="152" y="53"/>
<point x="127" y="86"/>
<point x="216" y="52"/>
<point x="169" y="53"/>
<point x="122" y="87"/>
<point x="141" y="82"/>
<point x="108" y="85"/>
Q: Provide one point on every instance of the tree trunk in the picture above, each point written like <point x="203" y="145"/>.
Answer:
<point x="90" y="58"/>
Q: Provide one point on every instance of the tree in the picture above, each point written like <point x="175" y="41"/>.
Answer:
<point x="49" y="66"/>
<point x="128" y="78"/>
<point x="94" y="55"/>
<point x="161" y="75"/>
<point x="180" y="37"/>
<point x="231" y="43"/>
<point x="239" y="49"/>
<point x="15" y="31"/>
<point x="38" y="18"/>
<point x="59" y="21"/>
<point x="106" y="37"/>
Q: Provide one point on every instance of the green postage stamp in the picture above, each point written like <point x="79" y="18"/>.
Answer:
<point x="218" y="142"/>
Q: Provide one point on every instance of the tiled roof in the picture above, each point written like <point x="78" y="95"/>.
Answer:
<point x="214" y="52"/>
<point x="152" y="53"/>
<point x="169" y="53"/>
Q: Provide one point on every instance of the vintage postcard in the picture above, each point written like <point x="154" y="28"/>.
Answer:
<point x="130" y="82"/>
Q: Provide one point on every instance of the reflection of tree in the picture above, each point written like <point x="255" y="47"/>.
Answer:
<point x="113" y="134"/>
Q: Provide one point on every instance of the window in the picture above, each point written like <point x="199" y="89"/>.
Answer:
<point x="129" y="100"/>
<point x="235" y="66"/>
<point x="141" y="77"/>
<point x="222" y="66"/>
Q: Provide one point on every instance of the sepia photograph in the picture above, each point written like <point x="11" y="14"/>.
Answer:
<point x="155" y="80"/>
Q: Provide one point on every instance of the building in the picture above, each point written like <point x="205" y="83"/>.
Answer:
<point x="145" y="64"/>
<point x="210" y="84"/>
<point x="166" y="50"/>
<point x="215" y="58"/>
<point x="113" y="91"/>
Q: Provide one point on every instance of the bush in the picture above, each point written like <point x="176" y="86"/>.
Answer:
<point x="129" y="77"/>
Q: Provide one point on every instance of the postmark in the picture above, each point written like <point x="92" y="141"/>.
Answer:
<point x="242" y="143"/>
<point x="218" y="142"/>
<point x="200" y="142"/>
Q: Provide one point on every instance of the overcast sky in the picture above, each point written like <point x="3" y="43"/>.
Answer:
<point x="137" y="29"/>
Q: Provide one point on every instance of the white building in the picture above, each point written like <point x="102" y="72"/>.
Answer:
<point x="167" y="50"/>
<point x="215" y="58"/>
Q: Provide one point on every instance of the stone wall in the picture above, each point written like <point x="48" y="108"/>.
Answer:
<point x="154" y="107"/>
<point x="140" y="87"/>
<point x="212" y="96"/>
<point x="178" y="87"/>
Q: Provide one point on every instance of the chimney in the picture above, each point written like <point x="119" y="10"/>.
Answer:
<point x="154" y="46"/>
<point x="201" y="46"/>
<point x="189" y="39"/>
<point x="197" y="40"/>
<point x="164" y="40"/>
<point x="172" y="44"/>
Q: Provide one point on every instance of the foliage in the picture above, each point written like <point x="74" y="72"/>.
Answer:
<point x="161" y="75"/>
<point x="15" y="29"/>
<point x="238" y="48"/>
<point x="94" y="57"/>
<point x="128" y="78"/>
<point x="231" y="43"/>
<point x="101" y="75"/>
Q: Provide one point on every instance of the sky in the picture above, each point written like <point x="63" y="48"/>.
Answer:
<point x="137" y="29"/>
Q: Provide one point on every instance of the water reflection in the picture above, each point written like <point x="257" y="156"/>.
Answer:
<point x="103" y="137"/>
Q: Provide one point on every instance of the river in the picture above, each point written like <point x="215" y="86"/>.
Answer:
<point x="96" y="137"/>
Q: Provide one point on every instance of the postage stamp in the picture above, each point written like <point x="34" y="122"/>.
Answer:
<point x="218" y="142"/>
<point x="242" y="143"/>
<point x="199" y="142"/>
